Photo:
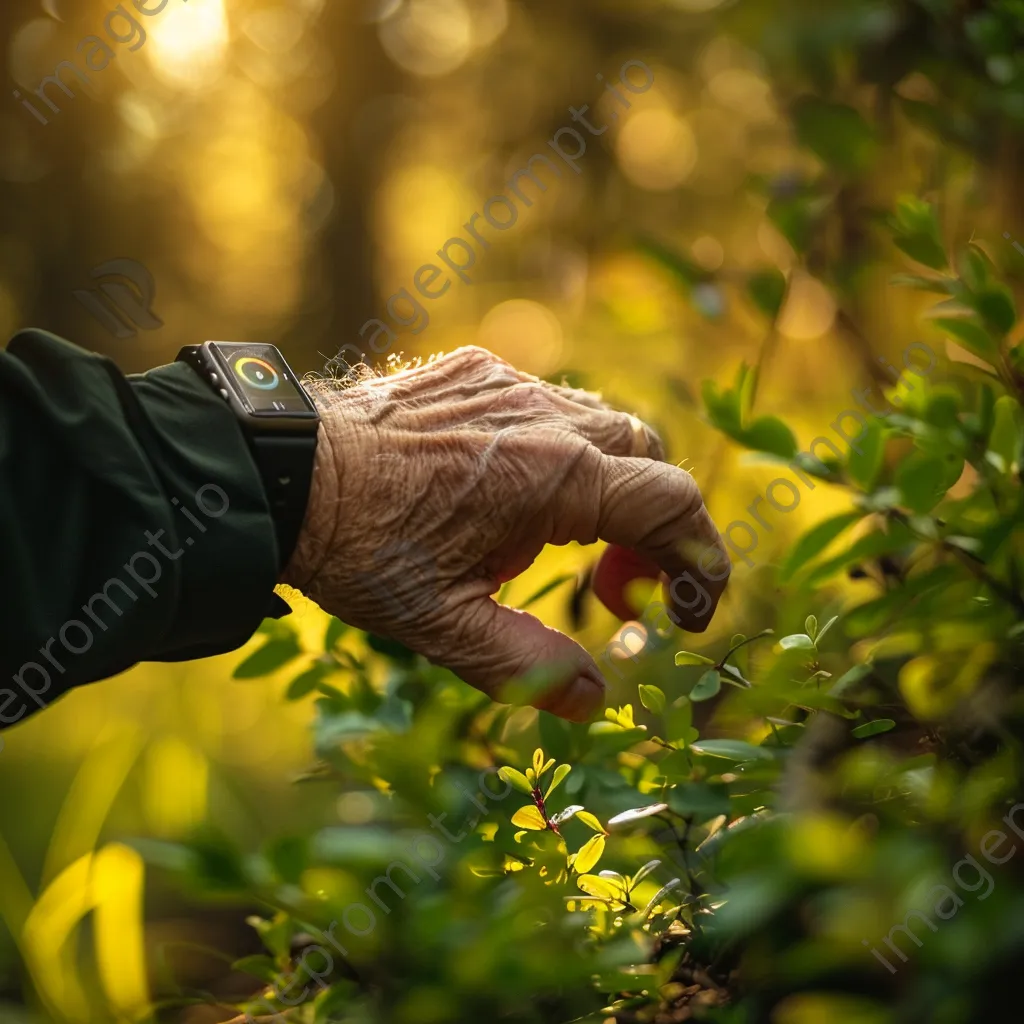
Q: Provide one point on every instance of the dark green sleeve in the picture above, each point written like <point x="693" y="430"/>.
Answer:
<point x="134" y="523"/>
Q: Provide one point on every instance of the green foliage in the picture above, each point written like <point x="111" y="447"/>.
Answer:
<point x="764" y="813"/>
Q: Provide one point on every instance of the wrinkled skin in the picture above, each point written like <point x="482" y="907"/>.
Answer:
<point x="435" y="485"/>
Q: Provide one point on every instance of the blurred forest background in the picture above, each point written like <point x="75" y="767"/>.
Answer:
<point x="282" y="168"/>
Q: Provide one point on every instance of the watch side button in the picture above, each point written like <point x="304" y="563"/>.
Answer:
<point x="214" y="379"/>
<point x="224" y="394"/>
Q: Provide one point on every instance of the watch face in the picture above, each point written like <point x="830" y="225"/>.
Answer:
<point x="261" y="379"/>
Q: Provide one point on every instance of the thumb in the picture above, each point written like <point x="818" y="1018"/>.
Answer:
<point x="510" y="654"/>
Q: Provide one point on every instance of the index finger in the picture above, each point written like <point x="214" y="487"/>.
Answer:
<point x="656" y="511"/>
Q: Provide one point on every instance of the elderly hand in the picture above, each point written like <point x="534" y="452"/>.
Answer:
<point x="435" y="485"/>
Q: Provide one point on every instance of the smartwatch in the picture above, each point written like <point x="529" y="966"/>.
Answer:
<point x="278" y="419"/>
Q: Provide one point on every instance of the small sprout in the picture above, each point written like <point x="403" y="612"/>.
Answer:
<point x="811" y="625"/>
<point x="824" y="629"/>
<point x="531" y="778"/>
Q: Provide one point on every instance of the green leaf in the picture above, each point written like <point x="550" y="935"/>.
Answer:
<point x="996" y="307"/>
<point x="306" y="683"/>
<point x="259" y="966"/>
<point x="824" y="629"/>
<point x="707" y="686"/>
<point x="796" y="642"/>
<point x="689" y="658"/>
<point x="767" y="289"/>
<point x="1005" y="438"/>
<point x="770" y="434"/>
<point x="271" y="656"/>
<point x="880" y="725"/>
<point x="811" y="625"/>
<point x="871" y="545"/>
<point x="917" y="232"/>
<point x="607" y="738"/>
<point x="336" y="629"/>
<point x="815" y="541"/>
<point x="659" y="896"/>
<point x="652" y="698"/>
<point x="836" y="133"/>
<point x="589" y="854"/>
<point x="723" y="407"/>
<point x="923" y="249"/>
<point x="865" y="464"/>
<point x="515" y="778"/>
<point x="560" y="773"/>
<point x="651" y="865"/>
<point x="920" y="479"/>
<point x="734" y="750"/>
<point x="701" y="800"/>
<point x="972" y="336"/>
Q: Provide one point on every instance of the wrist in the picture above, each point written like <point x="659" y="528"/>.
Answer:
<point x="318" y="525"/>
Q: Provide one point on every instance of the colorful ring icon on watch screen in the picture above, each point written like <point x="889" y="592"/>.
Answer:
<point x="257" y="372"/>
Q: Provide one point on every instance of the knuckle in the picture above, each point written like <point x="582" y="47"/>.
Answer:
<point x="532" y="396"/>
<point x="477" y="355"/>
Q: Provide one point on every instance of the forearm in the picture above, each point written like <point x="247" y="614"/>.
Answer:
<point x="135" y="523"/>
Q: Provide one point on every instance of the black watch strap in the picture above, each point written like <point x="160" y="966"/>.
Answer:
<point x="278" y="419"/>
<point x="286" y="467"/>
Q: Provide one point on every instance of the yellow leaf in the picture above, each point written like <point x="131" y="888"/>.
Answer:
<point x="625" y="717"/>
<point x="538" y="761"/>
<point x="529" y="817"/>
<point x="518" y="837"/>
<point x="590" y="821"/>
<point x="547" y="764"/>
<point x="531" y="777"/>
<point x="589" y="854"/>
<point x="604" y="888"/>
